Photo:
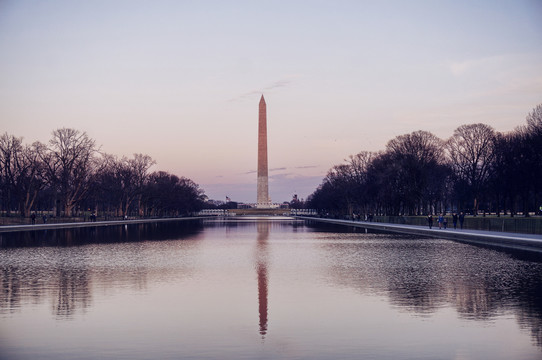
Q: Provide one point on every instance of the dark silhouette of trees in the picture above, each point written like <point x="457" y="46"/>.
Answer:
<point x="106" y="190"/>
<point x="384" y="178"/>
<point x="471" y="152"/>
<point x="169" y="195"/>
<point x="534" y="123"/>
<point x="477" y="168"/>
<point x="409" y="177"/>
<point x="296" y="203"/>
<point x="533" y="153"/>
<point x="417" y="159"/>
<point x="22" y="174"/>
<point x="69" y="175"/>
<point x="10" y="149"/>
<point x="129" y="177"/>
<point x="70" y="164"/>
<point x="359" y="166"/>
<point x="523" y="155"/>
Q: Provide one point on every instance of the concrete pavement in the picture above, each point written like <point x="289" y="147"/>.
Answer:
<point x="510" y="240"/>
<point x="74" y="225"/>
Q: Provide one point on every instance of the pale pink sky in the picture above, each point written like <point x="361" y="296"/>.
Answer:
<point x="181" y="81"/>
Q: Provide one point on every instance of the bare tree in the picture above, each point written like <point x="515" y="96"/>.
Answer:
<point x="132" y="174"/>
<point x="31" y="178"/>
<point x="421" y="145"/>
<point x="168" y="195"/>
<point x="360" y="163"/>
<point x="359" y="166"/>
<point x="471" y="152"/>
<point x="529" y="159"/>
<point x="340" y="178"/>
<point x="10" y="149"/>
<point x="534" y="121"/>
<point x="70" y="162"/>
<point x="22" y="172"/>
<point x="420" y="179"/>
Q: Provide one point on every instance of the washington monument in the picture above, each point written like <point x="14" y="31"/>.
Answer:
<point x="263" y="187"/>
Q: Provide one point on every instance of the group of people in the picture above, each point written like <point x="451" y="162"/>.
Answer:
<point x="33" y="218"/>
<point x="443" y="220"/>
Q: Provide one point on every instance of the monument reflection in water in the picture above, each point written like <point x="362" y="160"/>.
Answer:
<point x="261" y="267"/>
<point x="263" y="289"/>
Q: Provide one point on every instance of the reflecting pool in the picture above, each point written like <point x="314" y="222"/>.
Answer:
<point x="263" y="289"/>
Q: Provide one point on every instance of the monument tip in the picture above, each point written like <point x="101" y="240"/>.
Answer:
<point x="262" y="99"/>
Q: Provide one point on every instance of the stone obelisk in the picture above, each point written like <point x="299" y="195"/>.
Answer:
<point x="263" y="185"/>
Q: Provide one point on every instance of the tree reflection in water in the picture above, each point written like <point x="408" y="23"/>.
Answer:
<point x="65" y="278"/>
<point x="424" y="275"/>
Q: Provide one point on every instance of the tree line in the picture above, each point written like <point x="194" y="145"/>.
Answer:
<point x="70" y="175"/>
<point x="476" y="170"/>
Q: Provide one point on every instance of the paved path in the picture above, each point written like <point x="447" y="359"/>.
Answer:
<point x="68" y="225"/>
<point x="495" y="238"/>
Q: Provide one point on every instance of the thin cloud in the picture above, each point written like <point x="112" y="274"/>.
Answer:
<point x="306" y="167"/>
<point x="275" y="85"/>
<point x="282" y="176"/>
<point x="254" y="171"/>
<point x="245" y="95"/>
<point x="278" y="84"/>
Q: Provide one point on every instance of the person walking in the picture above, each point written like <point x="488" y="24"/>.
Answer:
<point x="33" y="217"/>
<point x="445" y="222"/>
<point x="454" y="220"/>
<point x="430" y="221"/>
<point x="440" y="221"/>
<point x="461" y="219"/>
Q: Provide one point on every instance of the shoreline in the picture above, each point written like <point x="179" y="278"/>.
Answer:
<point x="518" y="241"/>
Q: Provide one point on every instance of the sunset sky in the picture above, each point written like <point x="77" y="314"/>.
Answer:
<point x="181" y="80"/>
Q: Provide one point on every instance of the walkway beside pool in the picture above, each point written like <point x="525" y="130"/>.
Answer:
<point x="494" y="238"/>
<point x="74" y="225"/>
